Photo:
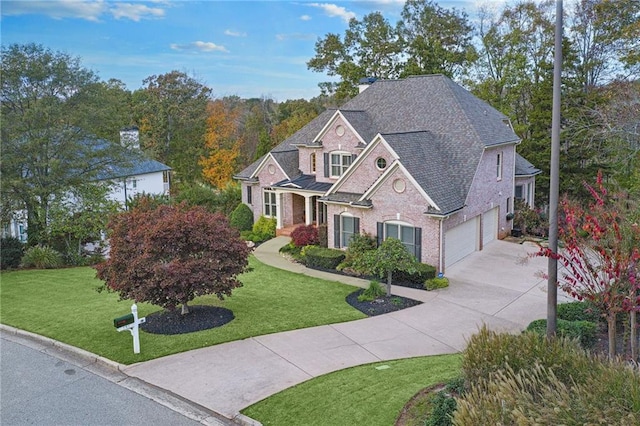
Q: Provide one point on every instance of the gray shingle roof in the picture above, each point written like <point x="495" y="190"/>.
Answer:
<point x="306" y="182"/>
<point x="525" y="168"/>
<point x="434" y="161"/>
<point x="438" y="129"/>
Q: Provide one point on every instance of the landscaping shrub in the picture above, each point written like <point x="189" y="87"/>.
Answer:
<point x="241" y="218"/>
<point x="355" y="254"/>
<point x="305" y="235"/>
<point x="42" y="257"/>
<point x="264" y="229"/>
<point x="443" y="405"/>
<point x="583" y="331"/>
<point x="578" y="311"/>
<point x="609" y="393"/>
<point x="374" y="291"/>
<point x="320" y="257"/>
<point x="488" y="352"/>
<point x="423" y="273"/>
<point x="11" y="251"/>
<point x="436" y="283"/>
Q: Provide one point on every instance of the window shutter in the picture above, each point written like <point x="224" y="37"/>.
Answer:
<point x="326" y="164"/>
<point x="248" y="195"/>
<point x="418" y="243"/>
<point x="353" y="158"/>
<point x="336" y="230"/>
<point x="356" y="225"/>
<point x="380" y="227"/>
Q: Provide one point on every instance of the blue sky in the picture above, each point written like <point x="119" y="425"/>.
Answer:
<point x="244" y="48"/>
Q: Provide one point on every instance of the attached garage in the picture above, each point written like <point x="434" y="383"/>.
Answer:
<point x="460" y="241"/>
<point x="489" y="226"/>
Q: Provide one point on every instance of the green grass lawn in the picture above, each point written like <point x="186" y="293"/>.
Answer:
<point x="63" y="304"/>
<point x="363" y="395"/>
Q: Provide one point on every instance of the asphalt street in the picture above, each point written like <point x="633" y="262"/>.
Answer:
<point x="39" y="388"/>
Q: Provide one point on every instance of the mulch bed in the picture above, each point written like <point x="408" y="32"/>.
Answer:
<point x="200" y="317"/>
<point x="381" y="305"/>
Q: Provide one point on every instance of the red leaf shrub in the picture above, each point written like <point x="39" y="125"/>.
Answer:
<point x="305" y="235"/>
<point x="171" y="254"/>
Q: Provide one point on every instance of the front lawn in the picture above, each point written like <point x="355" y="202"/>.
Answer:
<point x="63" y="304"/>
<point x="371" y="394"/>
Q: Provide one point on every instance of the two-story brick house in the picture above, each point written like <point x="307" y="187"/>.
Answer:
<point x="420" y="159"/>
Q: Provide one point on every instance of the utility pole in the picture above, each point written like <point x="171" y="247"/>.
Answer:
<point x="554" y="186"/>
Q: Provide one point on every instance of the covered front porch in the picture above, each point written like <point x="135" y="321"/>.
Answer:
<point x="297" y="203"/>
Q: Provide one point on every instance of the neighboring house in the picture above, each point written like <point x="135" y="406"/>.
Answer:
<point x="141" y="176"/>
<point x="420" y="159"/>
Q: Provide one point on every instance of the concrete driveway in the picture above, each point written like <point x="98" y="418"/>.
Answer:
<point x="492" y="287"/>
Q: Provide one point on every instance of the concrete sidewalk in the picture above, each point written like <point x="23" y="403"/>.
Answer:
<point x="491" y="287"/>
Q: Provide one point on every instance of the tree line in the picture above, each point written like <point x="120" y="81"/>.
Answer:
<point x="51" y="103"/>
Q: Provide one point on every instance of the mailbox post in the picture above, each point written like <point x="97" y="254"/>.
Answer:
<point x="131" y="322"/>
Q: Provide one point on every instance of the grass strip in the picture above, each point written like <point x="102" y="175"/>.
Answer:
<point x="362" y="395"/>
<point x="64" y="304"/>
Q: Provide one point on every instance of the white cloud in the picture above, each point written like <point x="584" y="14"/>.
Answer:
<point x="135" y="11"/>
<point x="305" y="18"/>
<point x="199" y="46"/>
<point x="87" y="10"/>
<point x="234" y="33"/>
<point x="333" y="10"/>
<point x="90" y="11"/>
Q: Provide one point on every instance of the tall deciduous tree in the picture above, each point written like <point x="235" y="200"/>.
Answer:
<point x="45" y="150"/>
<point x="171" y="111"/>
<point x="222" y="144"/>
<point x="437" y="40"/>
<point x="169" y="255"/>
<point x="369" y="48"/>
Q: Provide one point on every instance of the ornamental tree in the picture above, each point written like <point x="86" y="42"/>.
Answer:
<point x="391" y="256"/>
<point x="169" y="255"/>
<point x="601" y="256"/>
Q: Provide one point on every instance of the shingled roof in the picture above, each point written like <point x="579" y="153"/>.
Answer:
<point x="438" y="129"/>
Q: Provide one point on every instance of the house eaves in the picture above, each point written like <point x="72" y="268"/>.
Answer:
<point x="338" y="114"/>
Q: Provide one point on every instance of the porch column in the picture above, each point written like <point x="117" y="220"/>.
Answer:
<point x="308" y="209"/>
<point x="278" y="210"/>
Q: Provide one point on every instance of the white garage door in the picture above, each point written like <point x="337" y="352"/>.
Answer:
<point x="460" y="241"/>
<point x="489" y="226"/>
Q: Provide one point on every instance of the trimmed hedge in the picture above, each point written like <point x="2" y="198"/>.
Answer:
<point x="423" y="273"/>
<point x="320" y="257"/>
<point x="583" y="331"/>
<point x="578" y="311"/>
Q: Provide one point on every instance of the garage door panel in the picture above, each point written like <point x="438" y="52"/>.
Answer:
<point x="461" y="241"/>
<point x="489" y="226"/>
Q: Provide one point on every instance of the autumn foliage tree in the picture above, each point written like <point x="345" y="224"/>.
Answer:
<point x="222" y="144"/>
<point x="601" y="256"/>
<point x="169" y="255"/>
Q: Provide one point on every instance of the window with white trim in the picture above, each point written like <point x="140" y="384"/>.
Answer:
<point x="270" y="209"/>
<point x="348" y="229"/>
<point x="499" y="166"/>
<point x="312" y="161"/>
<point x="409" y="235"/>
<point x="340" y="162"/>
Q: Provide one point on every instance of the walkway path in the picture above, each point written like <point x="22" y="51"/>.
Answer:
<point x="490" y="287"/>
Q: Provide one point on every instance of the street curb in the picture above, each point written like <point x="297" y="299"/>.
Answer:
<point x="162" y="396"/>
<point x="89" y="357"/>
